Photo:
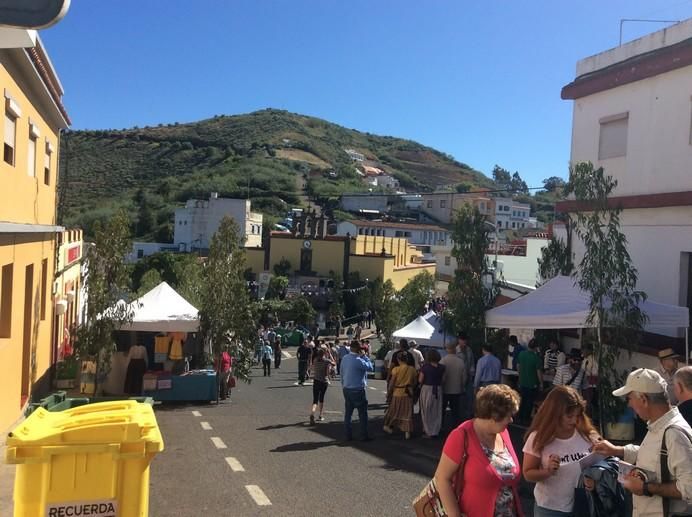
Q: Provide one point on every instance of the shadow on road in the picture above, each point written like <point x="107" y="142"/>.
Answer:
<point x="282" y="426"/>
<point x="306" y="446"/>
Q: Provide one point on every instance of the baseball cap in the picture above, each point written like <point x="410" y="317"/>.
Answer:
<point x="642" y="380"/>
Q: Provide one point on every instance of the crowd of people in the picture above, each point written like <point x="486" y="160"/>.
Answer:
<point x="563" y="453"/>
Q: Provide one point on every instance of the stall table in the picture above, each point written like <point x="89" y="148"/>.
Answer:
<point x="190" y="387"/>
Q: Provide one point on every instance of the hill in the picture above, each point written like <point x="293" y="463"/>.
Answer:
<point x="265" y="154"/>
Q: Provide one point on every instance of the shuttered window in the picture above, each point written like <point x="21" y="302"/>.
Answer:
<point x="9" y="138"/>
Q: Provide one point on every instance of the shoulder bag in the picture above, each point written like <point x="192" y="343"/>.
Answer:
<point x="428" y="502"/>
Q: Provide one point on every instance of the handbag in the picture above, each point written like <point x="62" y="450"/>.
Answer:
<point x="231" y="382"/>
<point x="428" y="503"/>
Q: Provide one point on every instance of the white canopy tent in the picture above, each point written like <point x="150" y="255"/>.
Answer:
<point x="425" y="330"/>
<point x="163" y="310"/>
<point x="559" y="303"/>
<point x="439" y="338"/>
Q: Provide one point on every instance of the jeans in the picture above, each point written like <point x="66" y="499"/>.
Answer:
<point x="356" y="399"/>
<point x="302" y="371"/>
<point x="539" y="511"/>
<point x="267" y="366"/>
<point x="277" y="359"/>
<point x="453" y="400"/>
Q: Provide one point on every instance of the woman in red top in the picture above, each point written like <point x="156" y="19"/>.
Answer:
<point x="492" y="472"/>
<point x="224" y="370"/>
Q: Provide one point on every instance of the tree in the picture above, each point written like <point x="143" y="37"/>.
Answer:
<point x="277" y="288"/>
<point x="149" y="280"/>
<point x="554" y="184"/>
<point x="415" y="294"/>
<point x="471" y="293"/>
<point x="502" y="177"/>
<point x="556" y="259"/>
<point x="386" y="309"/>
<point x="283" y="267"/>
<point x="107" y="284"/>
<point x="606" y="273"/>
<point x="518" y="185"/>
<point x="225" y="310"/>
<point x="301" y="311"/>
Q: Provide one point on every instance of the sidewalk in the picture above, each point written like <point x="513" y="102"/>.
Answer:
<point x="7" y="474"/>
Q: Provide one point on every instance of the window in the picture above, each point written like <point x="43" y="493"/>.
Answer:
<point x="44" y="286"/>
<point x="10" y="136"/>
<point x="31" y="160"/>
<point x="514" y="225"/>
<point x="429" y="204"/>
<point x="6" y="300"/>
<point x="443" y="203"/>
<point x="46" y="163"/>
<point x="398" y="233"/>
<point x="612" y="140"/>
<point x="448" y="260"/>
<point x="499" y="224"/>
<point x="140" y="253"/>
<point x="360" y="231"/>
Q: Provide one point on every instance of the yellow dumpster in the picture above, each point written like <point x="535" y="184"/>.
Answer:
<point x="90" y="460"/>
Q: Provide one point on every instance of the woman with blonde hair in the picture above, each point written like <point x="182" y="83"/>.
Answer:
<point x="560" y="435"/>
<point x="478" y="474"/>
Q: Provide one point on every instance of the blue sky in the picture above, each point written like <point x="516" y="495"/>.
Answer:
<point x="478" y="80"/>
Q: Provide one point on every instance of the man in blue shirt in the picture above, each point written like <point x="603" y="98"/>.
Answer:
<point x="354" y="373"/>
<point x="488" y="369"/>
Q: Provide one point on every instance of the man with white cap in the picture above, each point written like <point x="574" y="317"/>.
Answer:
<point x="666" y="450"/>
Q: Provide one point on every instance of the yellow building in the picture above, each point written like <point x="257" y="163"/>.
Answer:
<point x="33" y="117"/>
<point x="388" y="258"/>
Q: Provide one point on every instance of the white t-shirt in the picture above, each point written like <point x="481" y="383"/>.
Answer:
<point x="557" y="492"/>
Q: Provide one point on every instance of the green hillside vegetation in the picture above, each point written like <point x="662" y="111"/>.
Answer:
<point x="153" y="170"/>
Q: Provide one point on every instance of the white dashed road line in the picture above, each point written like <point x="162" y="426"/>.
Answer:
<point x="218" y="442"/>
<point x="257" y="494"/>
<point x="286" y="355"/>
<point x="372" y="388"/>
<point x="206" y="426"/>
<point x="196" y="413"/>
<point x="235" y="465"/>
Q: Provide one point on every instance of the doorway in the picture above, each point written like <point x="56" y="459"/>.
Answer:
<point x="26" y="334"/>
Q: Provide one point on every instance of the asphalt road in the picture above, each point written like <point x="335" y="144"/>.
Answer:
<point x="258" y="455"/>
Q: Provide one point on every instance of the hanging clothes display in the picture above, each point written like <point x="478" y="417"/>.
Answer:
<point x="176" y="350"/>
<point x="162" y="344"/>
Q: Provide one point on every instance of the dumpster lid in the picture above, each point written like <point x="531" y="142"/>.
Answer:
<point x="123" y="421"/>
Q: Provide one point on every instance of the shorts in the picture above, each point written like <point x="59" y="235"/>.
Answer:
<point x="319" y="388"/>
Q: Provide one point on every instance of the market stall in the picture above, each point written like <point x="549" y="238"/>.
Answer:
<point x="162" y="338"/>
<point x="560" y="304"/>
<point x="426" y="330"/>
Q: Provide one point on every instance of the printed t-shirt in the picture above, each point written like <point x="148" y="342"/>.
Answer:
<point x="557" y="492"/>
<point x="529" y="363"/>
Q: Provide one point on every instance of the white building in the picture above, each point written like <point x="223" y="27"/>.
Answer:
<point x="516" y="264"/>
<point x="355" y="155"/>
<point x="511" y="215"/>
<point x="358" y="202"/>
<point x="417" y="234"/>
<point x="196" y="223"/>
<point x="387" y="181"/>
<point x="631" y="116"/>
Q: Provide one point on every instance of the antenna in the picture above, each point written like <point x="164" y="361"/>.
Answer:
<point x="623" y="20"/>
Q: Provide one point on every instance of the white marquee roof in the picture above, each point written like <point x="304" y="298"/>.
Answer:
<point x="559" y="303"/>
<point x="163" y="310"/>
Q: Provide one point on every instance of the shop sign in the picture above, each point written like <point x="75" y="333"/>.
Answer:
<point x="106" y="508"/>
<point x="73" y="253"/>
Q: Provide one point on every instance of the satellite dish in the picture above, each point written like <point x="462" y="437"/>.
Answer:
<point x="32" y="14"/>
